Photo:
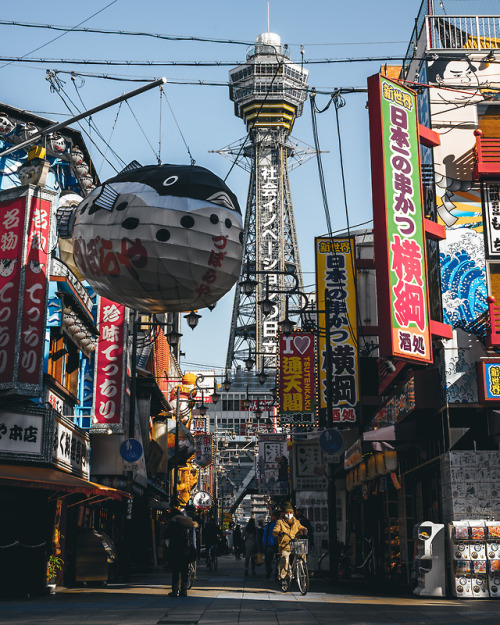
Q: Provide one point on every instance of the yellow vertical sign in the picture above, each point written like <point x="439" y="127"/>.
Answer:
<point x="336" y="299"/>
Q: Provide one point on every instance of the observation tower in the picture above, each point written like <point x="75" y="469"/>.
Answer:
<point x="268" y="92"/>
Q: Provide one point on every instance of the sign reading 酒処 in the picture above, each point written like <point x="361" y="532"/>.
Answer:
<point x="110" y="366"/>
<point x="402" y="294"/>
<point x="296" y="377"/>
<point x="336" y="291"/>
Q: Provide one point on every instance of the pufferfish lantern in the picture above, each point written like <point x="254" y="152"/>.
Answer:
<point x="160" y="238"/>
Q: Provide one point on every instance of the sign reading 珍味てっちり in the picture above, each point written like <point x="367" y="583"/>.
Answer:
<point x="336" y="292"/>
<point x="296" y="376"/>
<point x="402" y="294"/>
<point x="110" y="365"/>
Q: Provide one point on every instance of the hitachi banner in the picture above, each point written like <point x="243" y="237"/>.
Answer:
<point x="402" y="295"/>
<point x="25" y="216"/>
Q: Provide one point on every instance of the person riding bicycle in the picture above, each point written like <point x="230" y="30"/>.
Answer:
<point x="286" y="529"/>
<point x="210" y="537"/>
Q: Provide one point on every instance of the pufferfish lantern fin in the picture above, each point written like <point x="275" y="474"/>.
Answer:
<point x="131" y="166"/>
<point x="222" y="199"/>
<point x="107" y="198"/>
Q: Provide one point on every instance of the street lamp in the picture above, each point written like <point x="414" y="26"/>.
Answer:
<point x="192" y="319"/>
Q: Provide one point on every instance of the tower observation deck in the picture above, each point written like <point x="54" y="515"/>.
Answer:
<point x="268" y="92"/>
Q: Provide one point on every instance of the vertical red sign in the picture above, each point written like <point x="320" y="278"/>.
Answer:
<point x="12" y="225"/>
<point x="34" y="295"/>
<point x="109" y="370"/>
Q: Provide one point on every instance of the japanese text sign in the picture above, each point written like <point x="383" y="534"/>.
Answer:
<point x="491" y="203"/>
<point x="402" y="294"/>
<point x="203" y="454"/>
<point x="309" y="467"/>
<point x="71" y="450"/>
<point x="337" y="319"/>
<point x="296" y="374"/>
<point x="272" y="464"/>
<point x="110" y="367"/>
<point x="21" y="434"/>
<point x="489" y="380"/>
<point x="12" y="224"/>
<point x="24" y="243"/>
<point x="34" y="294"/>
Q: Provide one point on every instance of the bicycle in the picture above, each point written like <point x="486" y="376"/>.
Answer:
<point x="212" y="558"/>
<point x="191" y="574"/>
<point x="297" y="566"/>
<point x="367" y="567"/>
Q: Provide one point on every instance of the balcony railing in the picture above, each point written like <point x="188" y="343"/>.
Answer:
<point x="487" y="156"/>
<point x="463" y="32"/>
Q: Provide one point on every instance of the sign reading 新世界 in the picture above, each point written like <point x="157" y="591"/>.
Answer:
<point x="402" y="294"/>
<point x="336" y="291"/>
<point x="296" y="378"/>
<point x="489" y="380"/>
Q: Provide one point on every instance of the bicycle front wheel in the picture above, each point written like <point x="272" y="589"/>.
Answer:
<point x="302" y="576"/>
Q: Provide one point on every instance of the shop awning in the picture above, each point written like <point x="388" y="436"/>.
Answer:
<point x="52" y="479"/>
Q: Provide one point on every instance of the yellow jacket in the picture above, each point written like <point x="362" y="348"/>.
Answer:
<point x="289" y="531"/>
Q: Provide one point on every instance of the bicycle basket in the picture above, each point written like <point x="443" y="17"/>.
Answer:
<point x="300" y="546"/>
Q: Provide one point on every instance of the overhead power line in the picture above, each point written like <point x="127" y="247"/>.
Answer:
<point x="110" y="31"/>
<point x="131" y="33"/>
<point x="361" y="59"/>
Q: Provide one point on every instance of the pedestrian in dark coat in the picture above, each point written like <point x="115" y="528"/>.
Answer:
<point x="238" y="542"/>
<point x="251" y="545"/>
<point x="180" y="551"/>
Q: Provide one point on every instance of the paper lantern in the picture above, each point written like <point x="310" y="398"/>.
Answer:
<point x="372" y="468"/>
<point x="380" y="462"/>
<point x="160" y="238"/>
<point x="391" y="460"/>
<point x="361" y="473"/>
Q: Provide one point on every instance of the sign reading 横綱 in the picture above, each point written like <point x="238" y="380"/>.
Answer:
<point x="402" y="294"/>
<point x="336" y="290"/>
<point x="296" y="377"/>
<point x="24" y="244"/>
<point x="110" y="365"/>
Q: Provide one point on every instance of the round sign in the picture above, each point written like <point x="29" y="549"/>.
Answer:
<point x="131" y="450"/>
<point x="331" y="441"/>
<point x="202" y="500"/>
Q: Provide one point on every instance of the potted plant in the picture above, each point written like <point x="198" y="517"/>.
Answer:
<point x="54" y="566"/>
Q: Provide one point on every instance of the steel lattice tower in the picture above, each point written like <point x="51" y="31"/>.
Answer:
<point x="268" y="92"/>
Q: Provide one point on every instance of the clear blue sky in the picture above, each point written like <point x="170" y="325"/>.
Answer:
<point x="326" y="28"/>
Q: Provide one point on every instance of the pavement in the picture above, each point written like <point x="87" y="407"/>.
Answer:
<point x="227" y="597"/>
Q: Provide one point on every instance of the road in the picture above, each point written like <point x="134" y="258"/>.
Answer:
<point x="227" y="597"/>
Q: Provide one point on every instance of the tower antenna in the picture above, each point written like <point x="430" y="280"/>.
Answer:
<point x="268" y="16"/>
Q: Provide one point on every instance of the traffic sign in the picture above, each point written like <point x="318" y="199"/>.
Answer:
<point x="131" y="450"/>
<point x="331" y="441"/>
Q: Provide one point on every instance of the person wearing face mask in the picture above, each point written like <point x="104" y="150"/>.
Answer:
<point x="286" y="529"/>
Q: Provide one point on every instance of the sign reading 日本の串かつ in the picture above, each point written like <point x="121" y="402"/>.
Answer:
<point x="403" y="307"/>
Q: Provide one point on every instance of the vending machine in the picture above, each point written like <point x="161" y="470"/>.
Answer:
<point x="429" y="560"/>
<point x="475" y="558"/>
